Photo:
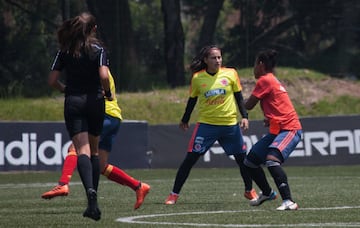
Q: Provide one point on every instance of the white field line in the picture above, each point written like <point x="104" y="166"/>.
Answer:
<point x="135" y="219"/>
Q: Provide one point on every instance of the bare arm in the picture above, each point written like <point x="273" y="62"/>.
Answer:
<point x="53" y="81"/>
<point x="105" y="82"/>
<point x="251" y="102"/>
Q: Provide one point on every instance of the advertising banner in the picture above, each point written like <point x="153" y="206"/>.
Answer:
<point x="333" y="140"/>
<point x="44" y="145"/>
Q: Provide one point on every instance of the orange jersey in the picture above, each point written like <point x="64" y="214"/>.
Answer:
<point x="276" y="104"/>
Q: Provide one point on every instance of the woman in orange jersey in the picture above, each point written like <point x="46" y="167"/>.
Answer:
<point x="217" y="89"/>
<point x="284" y="132"/>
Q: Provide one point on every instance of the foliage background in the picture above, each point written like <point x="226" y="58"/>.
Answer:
<point x="150" y="48"/>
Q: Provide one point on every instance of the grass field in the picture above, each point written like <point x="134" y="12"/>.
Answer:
<point x="327" y="196"/>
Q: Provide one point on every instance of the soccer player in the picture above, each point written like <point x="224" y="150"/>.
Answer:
<point x="111" y="126"/>
<point x="218" y="91"/>
<point x="284" y="132"/>
<point x="84" y="60"/>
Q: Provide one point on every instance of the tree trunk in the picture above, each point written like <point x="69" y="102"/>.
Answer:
<point x="174" y="43"/>
<point x="209" y="24"/>
<point x="116" y="31"/>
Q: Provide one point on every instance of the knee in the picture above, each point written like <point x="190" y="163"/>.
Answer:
<point x="252" y="161"/>
<point x="239" y="158"/>
<point x="271" y="163"/>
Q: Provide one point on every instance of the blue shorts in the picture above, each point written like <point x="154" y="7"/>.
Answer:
<point x="285" y="142"/>
<point x="205" y="135"/>
<point x="110" y="129"/>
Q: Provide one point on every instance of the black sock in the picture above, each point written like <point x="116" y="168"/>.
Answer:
<point x="184" y="170"/>
<point x="95" y="170"/>
<point x="258" y="175"/>
<point x="244" y="171"/>
<point x="281" y="181"/>
<point x="85" y="171"/>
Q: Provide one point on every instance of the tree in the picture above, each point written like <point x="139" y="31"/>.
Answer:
<point x="27" y="30"/>
<point x="174" y="42"/>
<point x="209" y="25"/>
<point x="116" y="30"/>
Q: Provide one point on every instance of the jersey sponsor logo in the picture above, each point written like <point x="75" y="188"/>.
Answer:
<point x="215" y="92"/>
<point x="216" y="101"/>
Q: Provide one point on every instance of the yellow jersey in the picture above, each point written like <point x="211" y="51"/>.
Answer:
<point x="217" y="104"/>
<point x="111" y="107"/>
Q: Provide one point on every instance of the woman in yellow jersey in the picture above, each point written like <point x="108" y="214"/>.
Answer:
<point x="217" y="89"/>
<point x="111" y="124"/>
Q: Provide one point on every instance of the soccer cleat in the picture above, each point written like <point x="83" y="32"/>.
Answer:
<point x="58" y="190"/>
<point x="288" y="205"/>
<point x="141" y="194"/>
<point x="92" y="211"/>
<point x="251" y="195"/>
<point x="94" y="214"/>
<point x="262" y="198"/>
<point x="172" y="198"/>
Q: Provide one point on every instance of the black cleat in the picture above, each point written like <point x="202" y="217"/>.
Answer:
<point x="92" y="211"/>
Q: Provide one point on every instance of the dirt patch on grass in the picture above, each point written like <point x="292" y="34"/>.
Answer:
<point x="307" y="92"/>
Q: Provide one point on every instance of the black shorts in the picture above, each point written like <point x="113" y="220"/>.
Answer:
<point x="84" y="113"/>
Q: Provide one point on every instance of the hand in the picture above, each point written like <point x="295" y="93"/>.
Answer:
<point x="108" y="95"/>
<point x="244" y="124"/>
<point x="183" y="126"/>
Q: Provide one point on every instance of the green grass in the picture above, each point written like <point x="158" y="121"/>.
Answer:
<point x="166" y="106"/>
<point x="327" y="196"/>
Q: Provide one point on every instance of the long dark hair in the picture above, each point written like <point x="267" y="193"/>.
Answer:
<point x="198" y="63"/>
<point x="78" y="33"/>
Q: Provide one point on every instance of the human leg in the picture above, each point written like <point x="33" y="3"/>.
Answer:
<point x="119" y="176"/>
<point x="84" y="165"/>
<point x="62" y="189"/>
<point x="280" y="179"/>
<point x="285" y="144"/>
<point x="253" y="161"/>
<point x="231" y="140"/>
<point x="250" y="192"/>
<point x="258" y="175"/>
<point x="83" y="116"/>
<point x="203" y="137"/>
<point x="68" y="166"/>
<point x="184" y="171"/>
<point x="95" y="162"/>
<point x="181" y="176"/>
<point x="110" y="129"/>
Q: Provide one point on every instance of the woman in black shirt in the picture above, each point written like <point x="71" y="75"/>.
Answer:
<point x="83" y="60"/>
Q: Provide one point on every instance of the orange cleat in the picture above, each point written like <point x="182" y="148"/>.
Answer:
<point x="251" y="195"/>
<point x="172" y="198"/>
<point x="141" y="194"/>
<point x="58" y="190"/>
